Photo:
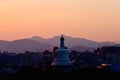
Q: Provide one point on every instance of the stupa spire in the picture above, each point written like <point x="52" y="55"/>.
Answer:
<point x="62" y="45"/>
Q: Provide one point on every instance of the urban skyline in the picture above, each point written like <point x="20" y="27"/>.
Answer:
<point x="61" y="63"/>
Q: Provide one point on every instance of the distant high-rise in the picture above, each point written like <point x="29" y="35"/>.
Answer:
<point x="27" y="59"/>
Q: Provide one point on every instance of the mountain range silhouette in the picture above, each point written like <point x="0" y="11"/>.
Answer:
<point x="36" y="43"/>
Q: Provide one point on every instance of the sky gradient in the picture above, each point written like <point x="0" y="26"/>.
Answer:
<point x="97" y="20"/>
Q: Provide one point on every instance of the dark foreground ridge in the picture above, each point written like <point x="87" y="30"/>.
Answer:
<point x="88" y="73"/>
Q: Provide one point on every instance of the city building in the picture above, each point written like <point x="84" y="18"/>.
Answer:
<point x="111" y="54"/>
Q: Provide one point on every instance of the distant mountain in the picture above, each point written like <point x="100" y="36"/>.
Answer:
<point x="23" y="45"/>
<point x="71" y="41"/>
<point x="82" y="49"/>
<point x="118" y="45"/>
<point x="37" y="43"/>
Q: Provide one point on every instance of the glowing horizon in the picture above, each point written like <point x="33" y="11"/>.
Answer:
<point x="97" y="20"/>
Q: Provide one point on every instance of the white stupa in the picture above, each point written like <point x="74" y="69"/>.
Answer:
<point x="62" y="55"/>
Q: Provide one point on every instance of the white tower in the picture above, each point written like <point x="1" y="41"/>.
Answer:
<point x="62" y="55"/>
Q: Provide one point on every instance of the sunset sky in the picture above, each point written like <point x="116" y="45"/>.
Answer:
<point x="97" y="20"/>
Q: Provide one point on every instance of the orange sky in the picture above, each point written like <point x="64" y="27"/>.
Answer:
<point x="97" y="20"/>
